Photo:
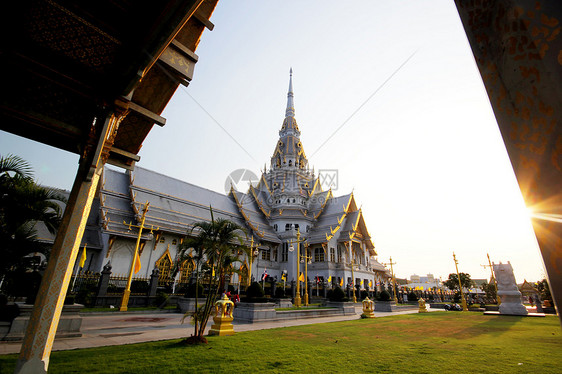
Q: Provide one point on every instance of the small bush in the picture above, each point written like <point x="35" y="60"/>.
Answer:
<point x="8" y="312"/>
<point x="85" y="297"/>
<point x="412" y="296"/>
<point x="337" y="294"/>
<point x="19" y="283"/>
<point x="160" y="300"/>
<point x="113" y="289"/>
<point x="191" y="290"/>
<point x="139" y="286"/>
<point x="255" y="291"/>
<point x="384" y="296"/>
<point x="457" y="297"/>
<point x="255" y="300"/>
<point x="279" y="292"/>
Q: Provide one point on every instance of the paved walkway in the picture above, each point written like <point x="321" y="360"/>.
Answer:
<point x="126" y="328"/>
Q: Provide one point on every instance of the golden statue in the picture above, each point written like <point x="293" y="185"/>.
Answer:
<point x="368" y="308"/>
<point x="421" y="304"/>
<point x="223" y="317"/>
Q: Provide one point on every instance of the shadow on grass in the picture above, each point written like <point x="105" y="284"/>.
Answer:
<point x="494" y="324"/>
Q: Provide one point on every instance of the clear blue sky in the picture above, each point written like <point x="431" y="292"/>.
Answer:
<point x="417" y="141"/>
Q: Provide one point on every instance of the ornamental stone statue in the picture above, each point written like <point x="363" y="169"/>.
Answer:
<point x="508" y="291"/>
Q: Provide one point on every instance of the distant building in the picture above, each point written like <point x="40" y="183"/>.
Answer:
<point x="424" y="283"/>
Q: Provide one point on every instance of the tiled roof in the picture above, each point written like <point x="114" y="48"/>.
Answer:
<point x="254" y="218"/>
<point x="176" y="205"/>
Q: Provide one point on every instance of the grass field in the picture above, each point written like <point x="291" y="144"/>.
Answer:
<point x="416" y="343"/>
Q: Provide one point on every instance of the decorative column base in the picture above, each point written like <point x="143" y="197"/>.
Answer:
<point x="422" y="307"/>
<point x="223" y="317"/>
<point x="125" y="301"/>
<point x="368" y="308"/>
<point x="222" y="326"/>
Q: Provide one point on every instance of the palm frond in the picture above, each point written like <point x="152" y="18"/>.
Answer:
<point x="12" y="164"/>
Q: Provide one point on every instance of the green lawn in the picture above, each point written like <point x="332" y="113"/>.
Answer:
<point x="416" y="343"/>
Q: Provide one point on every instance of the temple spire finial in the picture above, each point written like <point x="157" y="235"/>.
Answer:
<point x="290" y="112"/>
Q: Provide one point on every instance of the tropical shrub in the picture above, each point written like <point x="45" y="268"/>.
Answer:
<point x="254" y="291"/>
<point x="412" y="296"/>
<point x="337" y="295"/>
<point x="384" y="296"/>
<point x="191" y="288"/>
<point x="139" y="286"/>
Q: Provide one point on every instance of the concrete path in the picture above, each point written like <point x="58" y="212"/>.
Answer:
<point x="127" y="328"/>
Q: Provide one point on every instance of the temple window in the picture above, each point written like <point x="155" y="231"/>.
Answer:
<point x="187" y="268"/>
<point x="288" y="227"/>
<point x="174" y="242"/>
<point x="318" y="255"/>
<point x="266" y="254"/>
<point x="164" y="264"/>
<point x="339" y="254"/>
<point x="285" y="252"/>
<point x="162" y="239"/>
<point x="275" y="227"/>
<point x="244" y="275"/>
<point x="332" y="255"/>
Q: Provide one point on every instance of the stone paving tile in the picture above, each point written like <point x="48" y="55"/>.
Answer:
<point x="109" y="330"/>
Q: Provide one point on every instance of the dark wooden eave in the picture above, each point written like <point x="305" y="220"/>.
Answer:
<point x="66" y="63"/>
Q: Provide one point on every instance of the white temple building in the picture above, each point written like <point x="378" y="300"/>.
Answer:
<point x="287" y="199"/>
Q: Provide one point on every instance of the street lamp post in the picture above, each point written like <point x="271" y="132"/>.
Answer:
<point x="464" y="306"/>
<point x="393" y="279"/>
<point x="291" y="249"/>
<point x="127" y="292"/>
<point x="493" y="279"/>
<point x="307" y="260"/>
<point x="252" y="254"/>
<point x="352" y="264"/>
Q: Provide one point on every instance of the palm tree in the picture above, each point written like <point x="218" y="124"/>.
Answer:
<point x="212" y="251"/>
<point x="23" y="203"/>
<point x="13" y="167"/>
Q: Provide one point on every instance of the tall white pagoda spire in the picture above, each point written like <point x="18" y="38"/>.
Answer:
<point x="290" y="112"/>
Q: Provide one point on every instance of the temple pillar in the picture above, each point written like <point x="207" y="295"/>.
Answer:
<point x="44" y="320"/>
<point x="516" y="46"/>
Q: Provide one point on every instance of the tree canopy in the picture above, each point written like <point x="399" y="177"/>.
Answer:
<point x="489" y="289"/>
<point x="214" y="247"/>
<point x="544" y="290"/>
<point x="453" y="282"/>
<point x="23" y="204"/>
